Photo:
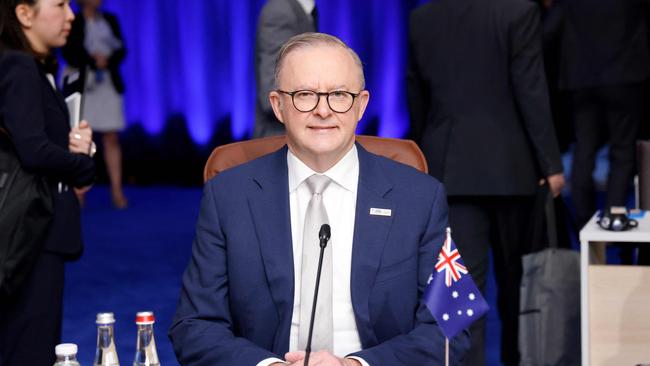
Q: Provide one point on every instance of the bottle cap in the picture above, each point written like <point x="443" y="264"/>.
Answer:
<point x="65" y="349"/>
<point x="144" y="317"/>
<point x="105" y="318"/>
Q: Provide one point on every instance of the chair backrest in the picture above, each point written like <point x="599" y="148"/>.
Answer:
<point x="643" y="149"/>
<point x="236" y="153"/>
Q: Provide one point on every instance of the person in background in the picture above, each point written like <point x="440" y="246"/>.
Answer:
<point x="279" y="20"/>
<point x="34" y="114"/>
<point x="248" y="289"/>
<point x="96" y="43"/>
<point x="604" y="66"/>
<point x="480" y="113"/>
<point x="559" y="99"/>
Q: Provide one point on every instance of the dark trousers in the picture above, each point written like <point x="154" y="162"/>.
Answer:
<point x="30" y="322"/>
<point x="502" y="224"/>
<point x="613" y="114"/>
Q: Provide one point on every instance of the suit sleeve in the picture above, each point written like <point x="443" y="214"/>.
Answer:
<point x="275" y="27"/>
<point x="201" y="332"/>
<point x="425" y="344"/>
<point x="528" y="81"/>
<point x="25" y="119"/>
<point x="117" y="57"/>
<point x="416" y="89"/>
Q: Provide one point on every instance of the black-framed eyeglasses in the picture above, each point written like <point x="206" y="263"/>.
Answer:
<point x="339" y="101"/>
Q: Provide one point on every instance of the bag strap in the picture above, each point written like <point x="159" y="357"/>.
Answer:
<point x="551" y="223"/>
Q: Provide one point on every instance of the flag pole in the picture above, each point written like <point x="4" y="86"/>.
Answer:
<point x="446" y="351"/>
<point x="447" y="339"/>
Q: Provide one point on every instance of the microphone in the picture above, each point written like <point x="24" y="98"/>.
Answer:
<point x="324" y="235"/>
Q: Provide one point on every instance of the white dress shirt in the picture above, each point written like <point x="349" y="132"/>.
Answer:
<point x="307" y="5"/>
<point x="340" y="199"/>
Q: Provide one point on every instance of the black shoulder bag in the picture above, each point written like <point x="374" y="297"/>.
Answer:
<point x="25" y="215"/>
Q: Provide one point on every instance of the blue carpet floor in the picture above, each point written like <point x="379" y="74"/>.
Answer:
<point x="133" y="261"/>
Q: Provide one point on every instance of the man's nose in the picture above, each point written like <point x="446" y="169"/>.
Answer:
<point x="322" y="108"/>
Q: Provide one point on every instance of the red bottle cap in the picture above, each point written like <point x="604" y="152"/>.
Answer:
<point x="144" y="317"/>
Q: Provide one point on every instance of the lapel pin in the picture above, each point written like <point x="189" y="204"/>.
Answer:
<point x="380" y="211"/>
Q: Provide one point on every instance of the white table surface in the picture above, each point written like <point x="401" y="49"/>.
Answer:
<point x="593" y="232"/>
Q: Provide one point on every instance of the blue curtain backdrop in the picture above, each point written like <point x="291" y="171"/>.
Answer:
<point x="194" y="60"/>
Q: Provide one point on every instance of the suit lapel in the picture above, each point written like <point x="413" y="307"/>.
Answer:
<point x="269" y="204"/>
<point x="370" y="235"/>
<point x="55" y="94"/>
<point x="61" y="102"/>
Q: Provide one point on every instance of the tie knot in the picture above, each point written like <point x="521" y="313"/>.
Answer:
<point x="317" y="183"/>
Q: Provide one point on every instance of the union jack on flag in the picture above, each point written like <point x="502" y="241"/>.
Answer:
<point x="451" y="295"/>
<point x="448" y="261"/>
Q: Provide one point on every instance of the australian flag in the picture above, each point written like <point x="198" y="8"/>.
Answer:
<point x="451" y="294"/>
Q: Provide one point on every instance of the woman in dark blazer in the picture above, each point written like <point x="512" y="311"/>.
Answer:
<point x="35" y="115"/>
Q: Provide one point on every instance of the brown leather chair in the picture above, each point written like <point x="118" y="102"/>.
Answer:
<point x="230" y="155"/>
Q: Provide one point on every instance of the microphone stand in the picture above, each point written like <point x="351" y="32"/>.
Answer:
<point x="323" y="236"/>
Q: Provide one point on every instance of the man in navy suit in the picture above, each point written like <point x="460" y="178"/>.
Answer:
<point x="240" y="300"/>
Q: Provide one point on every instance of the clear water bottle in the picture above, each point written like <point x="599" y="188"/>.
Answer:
<point x="105" y="354"/>
<point x="145" y="352"/>
<point x="66" y="355"/>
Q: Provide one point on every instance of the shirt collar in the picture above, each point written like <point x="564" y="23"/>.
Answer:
<point x="345" y="173"/>
<point x="307" y="5"/>
<point x="50" y="78"/>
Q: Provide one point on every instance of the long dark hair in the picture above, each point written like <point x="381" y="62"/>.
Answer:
<point x="12" y="36"/>
<point x="11" y="33"/>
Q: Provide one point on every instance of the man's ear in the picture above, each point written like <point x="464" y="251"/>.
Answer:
<point x="362" y="99"/>
<point x="25" y="15"/>
<point x="277" y="105"/>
